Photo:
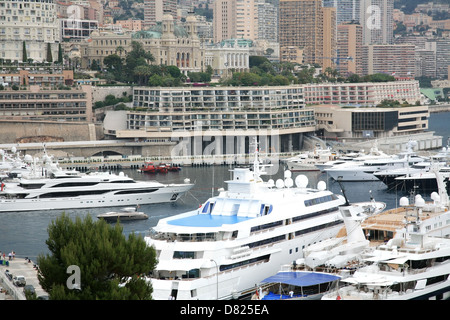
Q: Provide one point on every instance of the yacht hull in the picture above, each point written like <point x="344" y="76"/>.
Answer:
<point x="110" y="199"/>
<point x="239" y="282"/>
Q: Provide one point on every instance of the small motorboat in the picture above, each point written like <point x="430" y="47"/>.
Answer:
<point x="162" y="168"/>
<point x="149" y="167"/>
<point x="126" y="214"/>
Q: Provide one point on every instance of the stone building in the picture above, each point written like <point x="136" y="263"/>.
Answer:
<point x="168" y="43"/>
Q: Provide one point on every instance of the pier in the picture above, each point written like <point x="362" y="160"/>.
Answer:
<point x="16" y="267"/>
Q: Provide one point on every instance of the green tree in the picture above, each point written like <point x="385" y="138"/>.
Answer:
<point x="109" y="263"/>
<point x="60" y="53"/>
<point x="49" y="52"/>
<point x="24" y="52"/>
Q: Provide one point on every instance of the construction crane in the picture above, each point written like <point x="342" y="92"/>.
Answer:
<point x="336" y="60"/>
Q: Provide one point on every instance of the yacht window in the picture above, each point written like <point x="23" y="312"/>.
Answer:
<point x="265" y="209"/>
<point x="205" y="207"/>
<point x="74" y="184"/>
<point x="136" y="191"/>
<point x="184" y="255"/>
<point x="31" y="185"/>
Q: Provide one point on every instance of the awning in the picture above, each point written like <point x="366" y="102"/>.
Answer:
<point x="301" y="279"/>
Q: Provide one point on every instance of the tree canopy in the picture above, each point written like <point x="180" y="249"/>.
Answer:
<point x="110" y="264"/>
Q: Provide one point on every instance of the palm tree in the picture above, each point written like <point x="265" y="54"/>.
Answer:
<point x="120" y="50"/>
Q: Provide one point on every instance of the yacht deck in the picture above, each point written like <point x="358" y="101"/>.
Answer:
<point x="207" y="220"/>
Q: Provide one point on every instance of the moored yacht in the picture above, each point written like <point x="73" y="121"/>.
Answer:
<point x="71" y="190"/>
<point x="325" y="262"/>
<point x="310" y="161"/>
<point x="414" y="264"/>
<point x="241" y="236"/>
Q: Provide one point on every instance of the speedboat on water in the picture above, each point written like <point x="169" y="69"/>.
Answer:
<point x="241" y="236"/>
<point x="126" y="214"/>
<point x="72" y="190"/>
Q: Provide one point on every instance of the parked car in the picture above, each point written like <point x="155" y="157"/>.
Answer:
<point x="28" y="289"/>
<point x="8" y="274"/>
<point x="19" y="281"/>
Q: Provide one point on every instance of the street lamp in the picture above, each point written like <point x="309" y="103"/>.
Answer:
<point x="217" y="278"/>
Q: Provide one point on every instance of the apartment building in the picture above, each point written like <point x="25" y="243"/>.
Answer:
<point x="154" y="11"/>
<point x="36" y="76"/>
<point x="396" y="60"/>
<point x="33" y="23"/>
<point x="171" y="112"/>
<point x="301" y="25"/>
<point x="329" y="38"/>
<point x="346" y="10"/>
<point x="377" y="20"/>
<point x="267" y="21"/>
<point x="224" y="21"/>
<point x="363" y="93"/>
<point x="349" y="44"/>
<point x="39" y="103"/>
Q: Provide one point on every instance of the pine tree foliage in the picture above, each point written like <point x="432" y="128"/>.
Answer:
<point x="110" y="263"/>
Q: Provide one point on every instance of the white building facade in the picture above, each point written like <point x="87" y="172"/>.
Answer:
<point x="34" y="24"/>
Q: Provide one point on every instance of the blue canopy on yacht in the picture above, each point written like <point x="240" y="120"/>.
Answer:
<point x="301" y="278"/>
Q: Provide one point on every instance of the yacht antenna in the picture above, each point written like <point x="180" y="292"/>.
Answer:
<point x="343" y="192"/>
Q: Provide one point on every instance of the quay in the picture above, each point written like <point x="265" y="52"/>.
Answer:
<point x="22" y="267"/>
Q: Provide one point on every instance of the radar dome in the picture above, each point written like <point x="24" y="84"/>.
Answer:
<point x="280" y="183"/>
<point x="321" y="185"/>
<point x="287" y="174"/>
<point x="301" y="181"/>
<point x="420" y="202"/>
<point x="289" y="182"/>
<point x="404" y="202"/>
<point x="435" y="196"/>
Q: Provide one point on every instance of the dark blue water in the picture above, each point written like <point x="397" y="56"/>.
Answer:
<point x="26" y="232"/>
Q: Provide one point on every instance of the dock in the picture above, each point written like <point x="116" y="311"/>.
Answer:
<point x="18" y="266"/>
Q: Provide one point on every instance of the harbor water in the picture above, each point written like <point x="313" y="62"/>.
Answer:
<point x="25" y="233"/>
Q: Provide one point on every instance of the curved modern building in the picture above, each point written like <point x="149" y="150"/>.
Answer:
<point x="33" y="22"/>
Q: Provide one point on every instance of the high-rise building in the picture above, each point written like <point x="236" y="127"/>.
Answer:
<point x="155" y="9"/>
<point x="247" y="19"/>
<point x="346" y="10"/>
<point x="349" y="45"/>
<point x="377" y="20"/>
<point x="301" y="26"/>
<point x="224" y="21"/>
<point x="442" y="58"/>
<point x="267" y="21"/>
<point x="235" y="19"/>
<point x="32" y="25"/>
<point x="397" y="60"/>
<point x="329" y="38"/>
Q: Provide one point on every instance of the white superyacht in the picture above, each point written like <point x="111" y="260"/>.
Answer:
<point x="223" y="249"/>
<point x="414" y="264"/>
<point x="50" y="188"/>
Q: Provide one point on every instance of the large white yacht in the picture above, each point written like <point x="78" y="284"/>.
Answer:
<point x="310" y="161"/>
<point x="414" y="264"/>
<point x="71" y="190"/>
<point x="223" y="249"/>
